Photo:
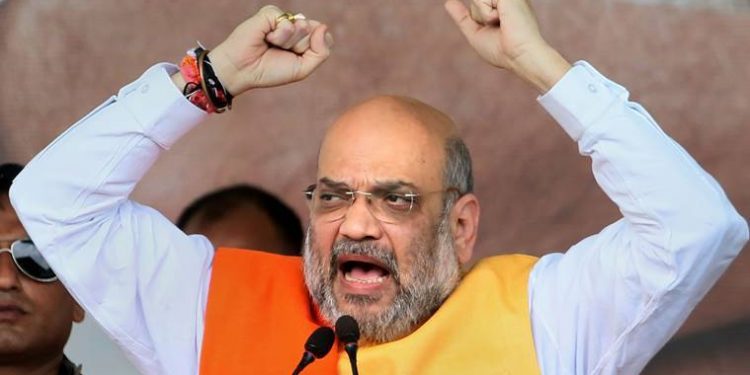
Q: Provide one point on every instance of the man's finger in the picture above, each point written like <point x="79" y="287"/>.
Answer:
<point x="302" y="30"/>
<point x="485" y="12"/>
<point x="320" y="48"/>
<point x="303" y="44"/>
<point x="282" y="34"/>
<point x="268" y="16"/>
<point x="457" y="10"/>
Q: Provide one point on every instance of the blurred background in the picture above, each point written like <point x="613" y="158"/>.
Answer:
<point x="685" y="61"/>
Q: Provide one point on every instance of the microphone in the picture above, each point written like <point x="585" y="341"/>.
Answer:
<point x="317" y="346"/>
<point x="347" y="331"/>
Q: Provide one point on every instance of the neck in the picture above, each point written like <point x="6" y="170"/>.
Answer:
<point x="44" y="367"/>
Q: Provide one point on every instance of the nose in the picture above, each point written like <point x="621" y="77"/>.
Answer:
<point x="9" y="277"/>
<point x="359" y="223"/>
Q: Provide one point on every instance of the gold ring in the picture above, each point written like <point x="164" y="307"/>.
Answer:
<point x="286" y="16"/>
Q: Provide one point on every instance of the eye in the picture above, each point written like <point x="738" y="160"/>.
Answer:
<point x="399" y="201"/>
<point x="330" y="196"/>
<point x="333" y="198"/>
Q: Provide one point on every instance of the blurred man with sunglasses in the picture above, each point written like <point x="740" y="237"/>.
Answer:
<point x="36" y="312"/>
<point x="393" y="219"/>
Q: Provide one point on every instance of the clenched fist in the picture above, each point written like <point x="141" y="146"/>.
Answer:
<point x="268" y="50"/>
<point x="505" y="33"/>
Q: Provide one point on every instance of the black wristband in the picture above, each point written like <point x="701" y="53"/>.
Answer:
<point x="217" y="94"/>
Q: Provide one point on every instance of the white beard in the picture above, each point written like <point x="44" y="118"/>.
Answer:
<point x="434" y="274"/>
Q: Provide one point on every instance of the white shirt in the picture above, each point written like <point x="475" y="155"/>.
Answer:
<point x="606" y="306"/>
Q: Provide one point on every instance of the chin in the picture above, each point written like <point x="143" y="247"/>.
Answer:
<point x="377" y="318"/>
<point x="362" y="307"/>
<point x="12" y="344"/>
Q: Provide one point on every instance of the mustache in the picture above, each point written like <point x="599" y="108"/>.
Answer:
<point x="384" y="255"/>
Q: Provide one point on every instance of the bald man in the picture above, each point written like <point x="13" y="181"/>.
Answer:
<point x="393" y="220"/>
<point x="244" y="216"/>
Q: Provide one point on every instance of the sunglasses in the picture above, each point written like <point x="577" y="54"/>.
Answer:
<point x="30" y="261"/>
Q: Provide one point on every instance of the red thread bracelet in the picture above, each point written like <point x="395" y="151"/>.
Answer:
<point x="193" y="88"/>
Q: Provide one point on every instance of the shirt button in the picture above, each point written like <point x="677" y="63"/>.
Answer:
<point x="144" y="88"/>
<point x="593" y="88"/>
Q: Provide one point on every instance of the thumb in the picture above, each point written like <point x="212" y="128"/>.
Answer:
<point x="460" y="14"/>
<point x="320" y="48"/>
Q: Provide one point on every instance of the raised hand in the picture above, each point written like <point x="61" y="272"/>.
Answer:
<point x="268" y="50"/>
<point x="505" y="33"/>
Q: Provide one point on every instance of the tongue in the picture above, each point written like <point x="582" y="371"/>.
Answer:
<point x="366" y="272"/>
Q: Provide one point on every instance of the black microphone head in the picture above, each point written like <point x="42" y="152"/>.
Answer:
<point x="320" y="342"/>
<point x="347" y="329"/>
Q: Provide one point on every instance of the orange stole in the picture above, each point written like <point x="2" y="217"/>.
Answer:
<point x="483" y="328"/>
<point x="258" y="316"/>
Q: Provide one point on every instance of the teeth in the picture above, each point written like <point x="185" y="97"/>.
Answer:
<point x="376" y="280"/>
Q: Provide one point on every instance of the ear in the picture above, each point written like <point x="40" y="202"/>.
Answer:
<point x="78" y="313"/>
<point x="464" y="225"/>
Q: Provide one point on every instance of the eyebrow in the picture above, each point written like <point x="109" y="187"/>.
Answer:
<point x="333" y="184"/>
<point x="11" y="240"/>
<point x="386" y="185"/>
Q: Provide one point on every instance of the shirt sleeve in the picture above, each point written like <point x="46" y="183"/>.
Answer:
<point x="138" y="275"/>
<point x="611" y="301"/>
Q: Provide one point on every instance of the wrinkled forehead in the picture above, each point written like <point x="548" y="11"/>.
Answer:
<point x="386" y="139"/>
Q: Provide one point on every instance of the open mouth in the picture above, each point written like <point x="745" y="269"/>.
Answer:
<point x="363" y="272"/>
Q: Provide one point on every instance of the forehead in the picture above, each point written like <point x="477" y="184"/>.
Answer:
<point x="10" y="227"/>
<point x="384" y="140"/>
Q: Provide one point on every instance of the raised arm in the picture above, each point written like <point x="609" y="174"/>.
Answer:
<point x="615" y="298"/>
<point x="137" y="274"/>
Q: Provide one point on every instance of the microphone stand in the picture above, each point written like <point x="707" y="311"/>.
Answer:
<point x="351" y="351"/>
<point x="318" y="345"/>
<point x="347" y="331"/>
<point x="307" y="359"/>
